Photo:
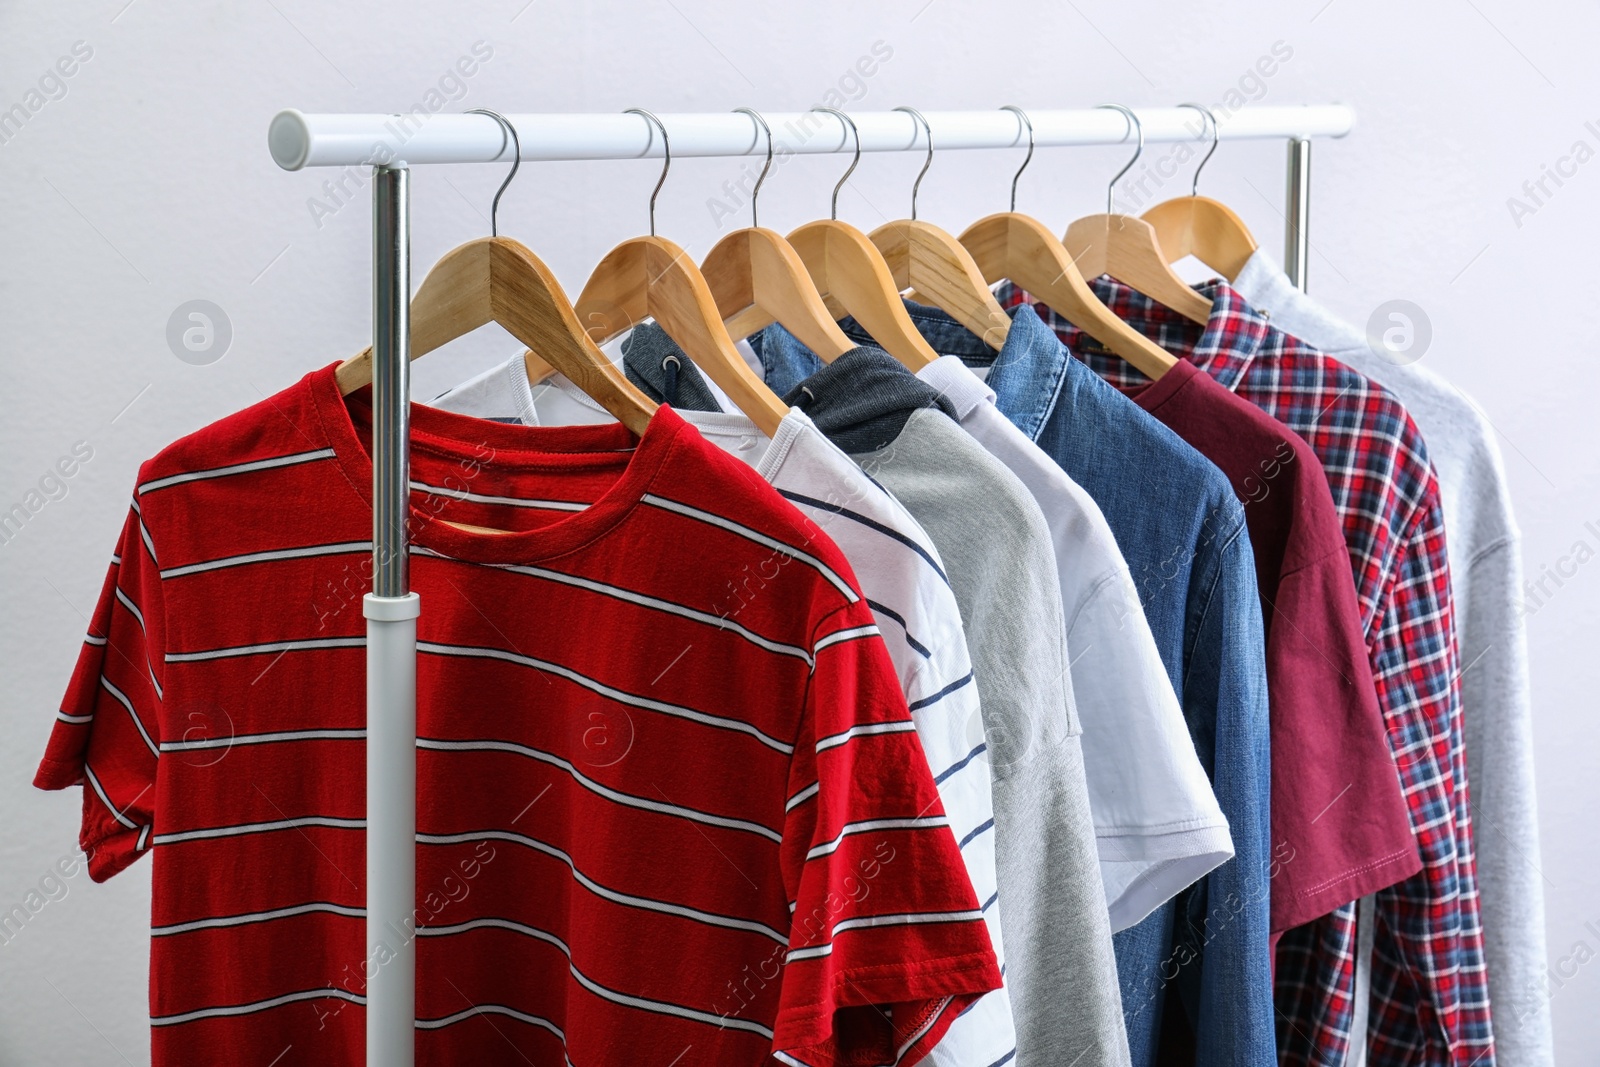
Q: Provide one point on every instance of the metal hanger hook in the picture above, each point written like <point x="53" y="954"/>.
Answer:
<point x="765" y="167"/>
<point x="666" y="163"/>
<point x="1023" y="115"/>
<point x="1216" y="135"/>
<point x="926" y="163"/>
<point x="850" y="123"/>
<point x="508" y="131"/>
<point x="1138" y="129"/>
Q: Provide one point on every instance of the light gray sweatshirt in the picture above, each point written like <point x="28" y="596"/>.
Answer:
<point x="1484" y="547"/>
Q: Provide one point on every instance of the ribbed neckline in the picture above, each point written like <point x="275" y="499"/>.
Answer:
<point x="514" y="450"/>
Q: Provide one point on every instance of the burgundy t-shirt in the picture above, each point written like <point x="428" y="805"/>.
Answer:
<point x="1338" y="818"/>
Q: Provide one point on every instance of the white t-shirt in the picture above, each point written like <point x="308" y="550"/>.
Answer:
<point x="902" y="577"/>
<point x="1157" y="822"/>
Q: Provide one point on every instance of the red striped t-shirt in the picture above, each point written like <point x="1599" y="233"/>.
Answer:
<point x="671" y="807"/>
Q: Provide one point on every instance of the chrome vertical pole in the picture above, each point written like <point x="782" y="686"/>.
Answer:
<point x="391" y="611"/>
<point x="1297" y="215"/>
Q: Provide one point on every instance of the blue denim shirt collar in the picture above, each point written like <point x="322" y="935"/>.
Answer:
<point x="786" y="362"/>
<point x="1027" y="372"/>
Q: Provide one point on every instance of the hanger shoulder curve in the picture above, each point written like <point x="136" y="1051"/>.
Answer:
<point x="1126" y="248"/>
<point x="1206" y="229"/>
<point x="923" y="257"/>
<point x="651" y="277"/>
<point x="756" y="268"/>
<point x="1020" y="248"/>
<point x="848" y="270"/>
<point x="496" y="279"/>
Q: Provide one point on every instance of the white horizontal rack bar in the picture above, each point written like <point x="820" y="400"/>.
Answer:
<point x="299" y="140"/>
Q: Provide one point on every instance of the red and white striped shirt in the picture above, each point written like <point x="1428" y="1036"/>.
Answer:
<point x="671" y="807"/>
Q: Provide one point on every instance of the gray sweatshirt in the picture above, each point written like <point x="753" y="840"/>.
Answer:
<point x="1484" y="546"/>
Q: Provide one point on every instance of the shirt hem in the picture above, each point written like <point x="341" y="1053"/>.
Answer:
<point x="1177" y="861"/>
<point x="1319" y="900"/>
<point x="807" y="1029"/>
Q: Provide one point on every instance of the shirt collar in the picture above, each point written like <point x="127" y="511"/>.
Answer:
<point x="1025" y="375"/>
<point x="1224" y="347"/>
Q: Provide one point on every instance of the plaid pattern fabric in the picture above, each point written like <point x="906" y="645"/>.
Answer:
<point x="1429" y="1002"/>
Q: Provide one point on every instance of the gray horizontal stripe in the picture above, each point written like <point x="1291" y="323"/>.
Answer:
<point x="683" y="911"/>
<point x="838" y="636"/>
<point x="512" y="501"/>
<point x="235" y="468"/>
<point x="683" y="611"/>
<point x="810" y="952"/>
<point x="850" y="829"/>
<point x="260" y="828"/>
<point x="801" y="797"/>
<point x="758" y="537"/>
<point x="916" y="918"/>
<point x="122" y="698"/>
<point x="660" y="1007"/>
<point x="267" y="556"/>
<point x="632" y="801"/>
<point x="91" y="639"/>
<point x="269" y="646"/>
<point x="99" y="791"/>
<point x="259" y="1005"/>
<point x="257" y="917"/>
<point x="491" y="1009"/>
<point x="619" y="695"/>
<point x="631" y="596"/>
<point x="64" y="717"/>
<point x="133" y="609"/>
<point x="865" y="730"/>
<point x="355" y="734"/>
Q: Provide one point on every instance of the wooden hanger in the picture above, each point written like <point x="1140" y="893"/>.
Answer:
<point x="924" y="258"/>
<point x="497" y="279"/>
<point x="756" y="277"/>
<point x="1198" y="226"/>
<point x="1126" y="248"/>
<point x="1007" y="245"/>
<point x="850" y="274"/>
<point x="651" y="277"/>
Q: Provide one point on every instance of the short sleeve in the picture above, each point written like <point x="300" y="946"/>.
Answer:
<point x="107" y="730"/>
<point x="887" y="942"/>
<point x="1157" y="821"/>
<point x="1329" y="746"/>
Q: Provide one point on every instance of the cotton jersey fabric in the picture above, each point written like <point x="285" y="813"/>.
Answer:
<point x="1328" y="735"/>
<point x="1060" y="970"/>
<point x="1484" y="547"/>
<point x="1157" y="822"/>
<point x="1429" y="998"/>
<point x="684" y="778"/>
<point x="903" y="581"/>
<point x="995" y="543"/>
<point x="1183" y="535"/>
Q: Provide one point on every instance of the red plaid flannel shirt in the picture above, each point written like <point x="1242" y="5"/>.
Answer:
<point x="1430" y="998"/>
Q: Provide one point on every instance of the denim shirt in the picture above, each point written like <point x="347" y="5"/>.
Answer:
<point x="1182" y="532"/>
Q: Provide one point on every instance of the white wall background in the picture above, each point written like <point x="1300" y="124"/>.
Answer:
<point x="143" y="182"/>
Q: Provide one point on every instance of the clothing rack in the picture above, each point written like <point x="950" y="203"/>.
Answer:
<point x="391" y="144"/>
